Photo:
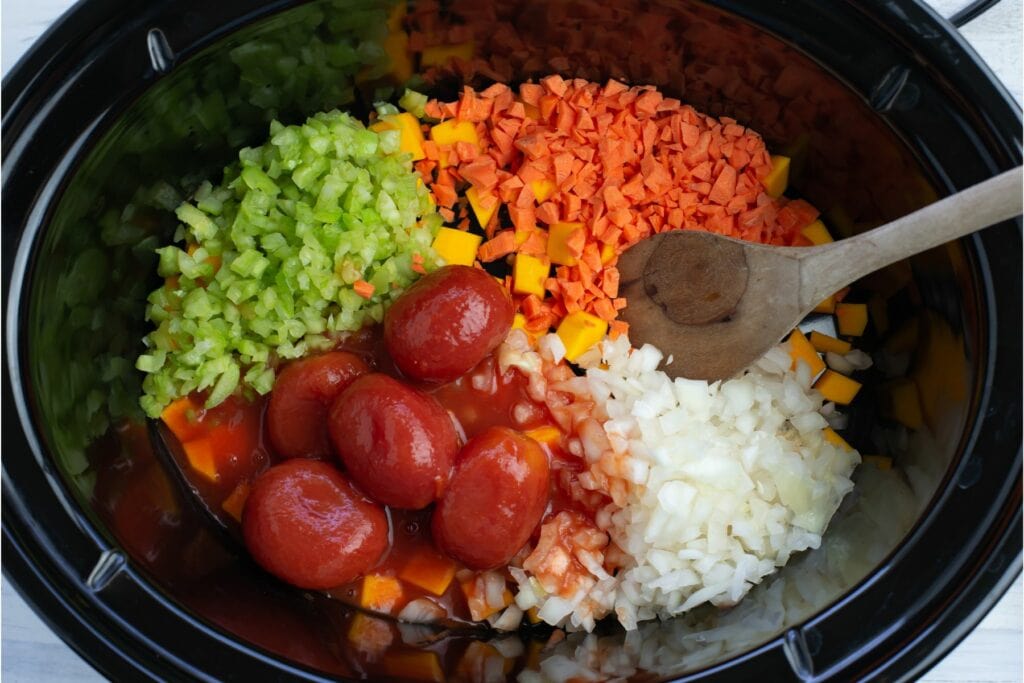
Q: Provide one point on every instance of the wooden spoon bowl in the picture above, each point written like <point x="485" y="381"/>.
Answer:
<point x="715" y="305"/>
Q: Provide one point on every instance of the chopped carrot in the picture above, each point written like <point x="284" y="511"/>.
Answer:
<point x="363" y="288"/>
<point x="616" y="163"/>
<point x="503" y="244"/>
<point x="617" y="328"/>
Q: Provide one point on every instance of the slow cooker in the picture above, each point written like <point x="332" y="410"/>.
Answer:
<point x="122" y="107"/>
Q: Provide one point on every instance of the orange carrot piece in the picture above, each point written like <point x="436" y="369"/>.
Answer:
<point x="503" y="244"/>
<point x="617" y="328"/>
<point x="625" y="162"/>
<point x="363" y="288"/>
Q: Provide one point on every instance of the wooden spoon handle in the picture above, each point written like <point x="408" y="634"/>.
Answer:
<point x="826" y="269"/>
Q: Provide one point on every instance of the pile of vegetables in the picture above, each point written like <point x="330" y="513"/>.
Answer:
<point x="312" y="234"/>
<point x="585" y="171"/>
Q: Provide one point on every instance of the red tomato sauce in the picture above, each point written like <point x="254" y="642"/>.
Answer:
<point x="412" y="567"/>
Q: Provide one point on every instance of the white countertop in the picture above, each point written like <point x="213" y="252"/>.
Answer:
<point x="992" y="653"/>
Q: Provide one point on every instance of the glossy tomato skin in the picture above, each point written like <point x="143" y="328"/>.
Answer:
<point x="302" y="395"/>
<point x="497" y="496"/>
<point x="306" y="524"/>
<point x="446" y="323"/>
<point x="397" y="443"/>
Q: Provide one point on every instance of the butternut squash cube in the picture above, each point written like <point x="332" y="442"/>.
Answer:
<point x="412" y="137"/>
<point x="852" y="319"/>
<point x="423" y="665"/>
<point x="202" y="458"/>
<point x="579" y="331"/>
<point x="882" y="462"/>
<point x="546" y="434"/>
<point x="396" y="17"/>
<point x="607" y="254"/>
<point x="529" y="274"/>
<point x="816" y="233"/>
<point x="451" y="131"/>
<point x="777" y="180"/>
<point x="824" y="343"/>
<point x="483" y="213"/>
<point x="901" y="401"/>
<point x="826" y="306"/>
<point x="380" y="593"/>
<point x="836" y="387"/>
<point x="801" y="350"/>
<point x="396" y="47"/>
<point x="439" y="55"/>
<point x="834" y="439"/>
<point x="430" y="571"/>
<point x="542" y="189"/>
<point x="182" y="418"/>
<point x="456" y="247"/>
<point x="558" y="243"/>
<point x="235" y="503"/>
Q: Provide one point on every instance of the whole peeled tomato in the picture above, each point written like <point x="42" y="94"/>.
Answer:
<point x="302" y="395"/>
<point x="306" y="524"/>
<point x="446" y="323"/>
<point x="397" y="443"/>
<point x="497" y="497"/>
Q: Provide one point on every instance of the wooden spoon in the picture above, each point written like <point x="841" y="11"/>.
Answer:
<point x="715" y="304"/>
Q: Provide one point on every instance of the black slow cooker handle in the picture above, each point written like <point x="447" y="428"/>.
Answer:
<point x="971" y="12"/>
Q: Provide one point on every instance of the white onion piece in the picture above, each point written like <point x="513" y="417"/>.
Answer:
<point x="839" y="363"/>
<point x="421" y="611"/>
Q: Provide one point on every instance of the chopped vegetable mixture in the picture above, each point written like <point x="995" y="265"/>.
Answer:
<point x="425" y="449"/>
<point x="309" y="235"/>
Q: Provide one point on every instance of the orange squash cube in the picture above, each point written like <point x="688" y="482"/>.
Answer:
<point x="834" y="439"/>
<point x="380" y="593"/>
<point x="801" y="350"/>
<point x="235" y="503"/>
<point x="429" y="570"/>
<point x="852" y="319"/>
<point x="824" y="343"/>
<point x="202" y="458"/>
<point x="837" y="388"/>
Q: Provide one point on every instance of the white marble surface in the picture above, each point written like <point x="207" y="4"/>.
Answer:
<point x="30" y="652"/>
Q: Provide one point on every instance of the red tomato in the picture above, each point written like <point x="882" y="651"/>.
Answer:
<point x="496" y="499"/>
<point x="302" y="395"/>
<point x="397" y="443"/>
<point x="446" y="323"/>
<point x="306" y="524"/>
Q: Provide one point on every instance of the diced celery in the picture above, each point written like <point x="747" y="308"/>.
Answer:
<point x="224" y="386"/>
<point x="202" y="227"/>
<point x="413" y="102"/>
<point x="276" y="249"/>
